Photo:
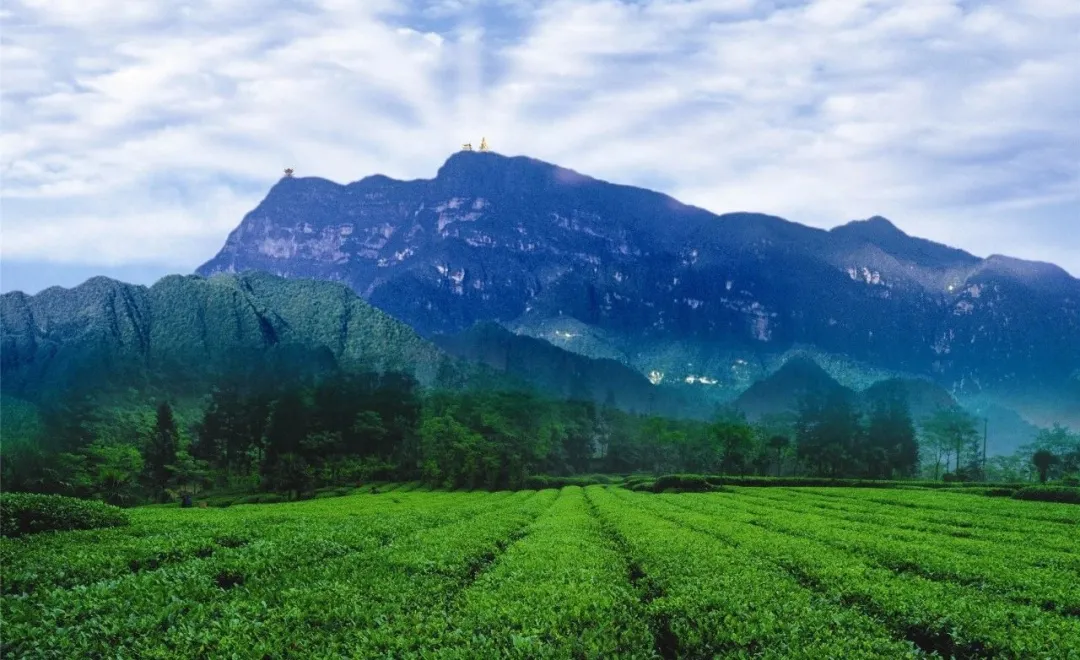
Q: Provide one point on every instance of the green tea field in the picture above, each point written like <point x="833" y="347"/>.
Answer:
<point x="599" y="572"/>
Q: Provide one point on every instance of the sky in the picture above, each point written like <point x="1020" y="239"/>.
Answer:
<point x="135" y="135"/>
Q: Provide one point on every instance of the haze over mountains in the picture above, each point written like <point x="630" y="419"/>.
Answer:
<point x="675" y="292"/>
<point x="187" y="334"/>
<point x="510" y="272"/>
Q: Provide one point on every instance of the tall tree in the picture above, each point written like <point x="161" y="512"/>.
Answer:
<point x="161" y="450"/>
<point x="1064" y="445"/>
<point x="955" y="429"/>
<point x="288" y="426"/>
<point x="1043" y="459"/>
<point x="777" y="444"/>
<point x="218" y="433"/>
<point x="734" y="441"/>
<point x="828" y="433"/>
<point x="892" y="450"/>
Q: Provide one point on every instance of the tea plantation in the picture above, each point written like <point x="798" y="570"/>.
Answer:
<point x="595" y="572"/>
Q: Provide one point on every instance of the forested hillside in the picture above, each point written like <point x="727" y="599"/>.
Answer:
<point x="180" y="335"/>
<point x="564" y="374"/>
<point x="255" y="382"/>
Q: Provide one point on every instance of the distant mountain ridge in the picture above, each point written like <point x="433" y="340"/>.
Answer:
<point x="781" y="392"/>
<point x="779" y="396"/>
<point x="185" y="331"/>
<point x="570" y="375"/>
<point x="672" y="290"/>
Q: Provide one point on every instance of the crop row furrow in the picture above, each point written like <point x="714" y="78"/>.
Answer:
<point x="723" y="601"/>
<point x="162" y="540"/>
<point x="117" y="611"/>
<point x="1032" y="534"/>
<point x="383" y="604"/>
<point x="1014" y="574"/>
<point x="1004" y="510"/>
<point x="940" y="617"/>
<point x="561" y="591"/>
<point x="665" y="645"/>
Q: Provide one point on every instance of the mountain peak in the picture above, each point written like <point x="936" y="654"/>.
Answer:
<point x="883" y="234"/>
<point x="487" y="170"/>
<point x="781" y="391"/>
<point x="620" y="271"/>
<point x="803" y="367"/>
<point x="477" y="161"/>
<point x="874" y="227"/>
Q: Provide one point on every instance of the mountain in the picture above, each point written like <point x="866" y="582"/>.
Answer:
<point x="923" y="397"/>
<point x="184" y="332"/>
<point x="1006" y="431"/>
<point x="780" y="392"/>
<point x="568" y="375"/>
<point x="674" y="291"/>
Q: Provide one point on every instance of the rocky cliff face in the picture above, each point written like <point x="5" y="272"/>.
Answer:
<point x="674" y="291"/>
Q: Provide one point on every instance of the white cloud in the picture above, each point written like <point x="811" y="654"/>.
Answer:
<point x="141" y="132"/>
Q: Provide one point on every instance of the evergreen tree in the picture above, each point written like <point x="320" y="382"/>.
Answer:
<point x="216" y="433"/>
<point x="828" y="433"/>
<point x="891" y="448"/>
<point x="288" y="426"/>
<point x="286" y="466"/>
<point x="161" y="450"/>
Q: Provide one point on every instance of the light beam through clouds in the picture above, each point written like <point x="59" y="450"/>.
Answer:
<point x="136" y="135"/>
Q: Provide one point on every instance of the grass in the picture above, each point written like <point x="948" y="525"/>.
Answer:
<point x="582" y="572"/>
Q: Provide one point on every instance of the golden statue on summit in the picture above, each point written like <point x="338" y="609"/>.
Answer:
<point x="483" y="145"/>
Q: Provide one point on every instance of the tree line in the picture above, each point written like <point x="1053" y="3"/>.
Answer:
<point x="348" y="428"/>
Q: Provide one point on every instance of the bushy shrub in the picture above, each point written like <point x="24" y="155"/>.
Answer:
<point x="261" y="498"/>
<point x="682" y="483"/>
<point x="983" y="492"/>
<point x="1063" y="494"/>
<point x="537" y="482"/>
<point x="540" y="481"/>
<point x="819" y="482"/>
<point x="220" y="502"/>
<point x="28" y="513"/>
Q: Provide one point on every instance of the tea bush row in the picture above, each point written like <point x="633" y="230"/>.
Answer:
<point x="707" y="598"/>
<point x="29" y="513"/>
<point x="937" y="615"/>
